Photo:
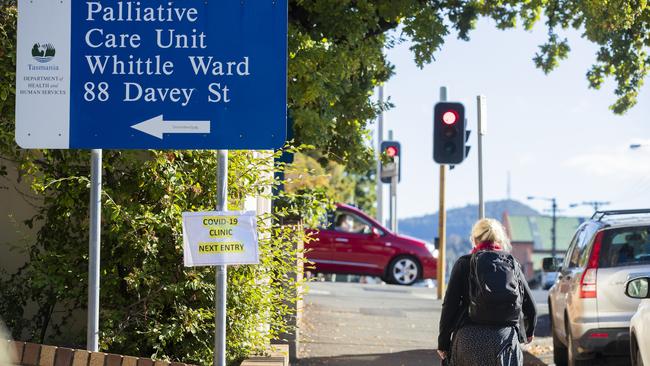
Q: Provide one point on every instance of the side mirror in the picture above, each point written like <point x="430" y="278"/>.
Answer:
<point x="551" y="264"/>
<point x="638" y="288"/>
<point x="375" y="233"/>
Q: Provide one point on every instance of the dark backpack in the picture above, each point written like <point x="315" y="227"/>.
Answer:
<point x="495" y="293"/>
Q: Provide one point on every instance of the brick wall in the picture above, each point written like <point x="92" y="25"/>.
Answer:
<point x="524" y="254"/>
<point x="31" y="354"/>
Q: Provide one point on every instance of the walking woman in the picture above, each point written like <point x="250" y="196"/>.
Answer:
<point x="488" y="309"/>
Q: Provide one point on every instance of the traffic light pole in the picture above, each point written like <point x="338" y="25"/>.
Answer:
<point x="442" y="235"/>
<point x="393" y="198"/>
<point x="442" y="222"/>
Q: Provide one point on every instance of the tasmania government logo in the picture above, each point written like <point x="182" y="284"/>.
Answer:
<point x="43" y="52"/>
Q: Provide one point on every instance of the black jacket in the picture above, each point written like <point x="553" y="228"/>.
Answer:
<point x="454" y="307"/>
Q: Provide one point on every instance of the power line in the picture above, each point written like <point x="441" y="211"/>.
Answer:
<point x="594" y="204"/>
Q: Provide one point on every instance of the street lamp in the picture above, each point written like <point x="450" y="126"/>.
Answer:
<point x="637" y="146"/>
<point x="553" y="228"/>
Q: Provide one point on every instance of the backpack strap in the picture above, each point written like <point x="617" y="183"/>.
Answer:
<point x="521" y="324"/>
<point x="474" y="285"/>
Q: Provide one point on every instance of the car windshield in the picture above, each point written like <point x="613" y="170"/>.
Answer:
<point x="626" y="247"/>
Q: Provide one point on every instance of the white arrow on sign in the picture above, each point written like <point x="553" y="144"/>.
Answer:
<point x="157" y="126"/>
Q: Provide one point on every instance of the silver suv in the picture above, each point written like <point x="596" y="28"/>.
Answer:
<point x="590" y="314"/>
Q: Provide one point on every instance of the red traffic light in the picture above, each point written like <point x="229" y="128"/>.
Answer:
<point x="391" y="151"/>
<point x="450" y="117"/>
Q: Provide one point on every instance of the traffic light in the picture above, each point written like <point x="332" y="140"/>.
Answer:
<point x="449" y="134"/>
<point x="390" y="164"/>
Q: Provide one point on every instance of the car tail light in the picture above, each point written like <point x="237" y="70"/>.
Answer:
<point x="588" y="279"/>
<point x="599" y="335"/>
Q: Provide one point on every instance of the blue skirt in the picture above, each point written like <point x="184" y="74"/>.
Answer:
<point x="481" y="345"/>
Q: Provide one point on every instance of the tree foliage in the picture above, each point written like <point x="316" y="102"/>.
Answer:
<point x="336" y="54"/>
<point x="151" y="304"/>
<point x="334" y="180"/>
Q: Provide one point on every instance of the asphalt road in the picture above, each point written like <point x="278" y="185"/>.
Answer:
<point x="380" y="325"/>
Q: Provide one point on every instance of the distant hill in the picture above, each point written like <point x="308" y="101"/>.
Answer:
<point x="459" y="224"/>
<point x="460" y="220"/>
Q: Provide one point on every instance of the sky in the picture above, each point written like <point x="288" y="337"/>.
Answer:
<point x="554" y="135"/>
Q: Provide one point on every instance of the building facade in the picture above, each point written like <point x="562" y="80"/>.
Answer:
<point x="531" y="238"/>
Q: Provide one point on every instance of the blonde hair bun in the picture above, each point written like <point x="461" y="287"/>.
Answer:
<point x="490" y="230"/>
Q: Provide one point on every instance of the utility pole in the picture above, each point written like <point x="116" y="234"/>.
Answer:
<point x="442" y="222"/>
<point x="380" y="137"/>
<point x="554" y="212"/>
<point x="553" y="229"/>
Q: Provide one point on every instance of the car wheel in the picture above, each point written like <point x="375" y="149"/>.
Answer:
<point x="572" y="353"/>
<point x="559" y="349"/>
<point x="403" y="271"/>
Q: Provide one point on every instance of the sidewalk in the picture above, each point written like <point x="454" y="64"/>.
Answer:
<point x="381" y="325"/>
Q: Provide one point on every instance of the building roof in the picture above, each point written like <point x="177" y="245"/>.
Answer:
<point x="537" y="230"/>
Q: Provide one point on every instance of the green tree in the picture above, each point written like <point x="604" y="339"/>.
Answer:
<point x="336" y="54"/>
<point x="150" y="303"/>
<point x="336" y="182"/>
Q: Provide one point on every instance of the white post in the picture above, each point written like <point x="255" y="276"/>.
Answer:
<point x="380" y="138"/>
<point x="222" y="270"/>
<point x="92" y="331"/>
<point x="482" y="130"/>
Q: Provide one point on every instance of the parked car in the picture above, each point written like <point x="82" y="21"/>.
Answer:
<point x="639" y="288"/>
<point x="549" y="280"/>
<point x="352" y="242"/>
<point x="549" y="277"/>
<point x="589" y="316"/>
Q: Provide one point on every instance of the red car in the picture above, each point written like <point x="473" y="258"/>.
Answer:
<point x="354" y="243"/>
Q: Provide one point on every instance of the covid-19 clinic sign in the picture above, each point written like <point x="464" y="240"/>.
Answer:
<point x="217" y="238"/>
<point x="151" y="74"/>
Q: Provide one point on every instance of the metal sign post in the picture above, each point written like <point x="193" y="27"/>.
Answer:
<point x="92" y="330"/>
<point x="482" y="130"/>
<point x="442" y="222"/>
<point x="222" y="270"/>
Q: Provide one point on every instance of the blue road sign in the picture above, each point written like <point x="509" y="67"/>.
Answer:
<point x="153" y="74"/>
